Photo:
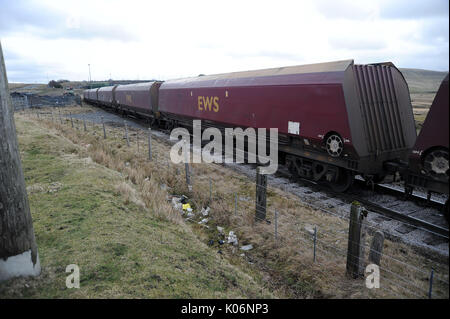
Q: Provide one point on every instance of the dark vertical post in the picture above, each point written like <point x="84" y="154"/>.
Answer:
<point x="84" y="124"/>
<point x="315" y="242"/>
<point x="210" y="190"/>
<point x="261" y="184"/>
<point x="126" y="134"/>
<point x="71" y="120"/>
<point x="355" y="250"/>
<point x="376" y="248"/>
<point x="276" y="226"/>
<point x="186" y="167"/>
<point x="149" y="143"/>
<point x="104" y="130"/>
<point x="137" y="140"/>
<point x="430" y="290"/>
<point x="235" y="203"/>
<point x="18" y="249"/>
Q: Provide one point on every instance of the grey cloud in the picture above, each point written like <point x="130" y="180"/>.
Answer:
<point x="434" y="31"/>
<point x="20" y="16"/>
<point x="413" y="9"/>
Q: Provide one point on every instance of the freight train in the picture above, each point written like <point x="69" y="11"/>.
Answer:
<point x="335" y="120"/>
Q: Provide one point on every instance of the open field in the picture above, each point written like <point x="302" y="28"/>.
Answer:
<point x="111" y="214"/>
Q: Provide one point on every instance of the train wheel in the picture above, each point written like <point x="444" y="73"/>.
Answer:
<point x="335" y="145"/>
<point x="437" y="163"/>
<point x="343" y="181"/>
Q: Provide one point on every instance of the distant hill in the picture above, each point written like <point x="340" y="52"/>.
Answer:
<point x="423" y="81"/>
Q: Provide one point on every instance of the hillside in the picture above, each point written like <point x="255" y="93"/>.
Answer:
<point x="423" y="81"/>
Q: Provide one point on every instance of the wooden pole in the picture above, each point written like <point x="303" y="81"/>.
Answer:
<point x="18" y="249"/>
<point x="104" y="130"/>
<point x="186" y="167"/>
<point x="261" y="184"/>
<point x="126" y="134"/>
<point x="149" y="143"/>
<point x="376" y="248"/>
<point x="356" y="237"/>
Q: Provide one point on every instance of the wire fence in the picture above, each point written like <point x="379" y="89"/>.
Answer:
<point x="320" y="239"/>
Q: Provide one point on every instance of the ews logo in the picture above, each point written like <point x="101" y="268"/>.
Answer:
<point x="208" y="103"/>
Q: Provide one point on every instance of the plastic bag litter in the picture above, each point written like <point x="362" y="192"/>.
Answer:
<point x="232" y="238"/>
<point x="203" y="221"/>
<point x="186" y="207"/>
<point x="220" y="230"/>
<point x="176" y="203"/>
<point x="205" y="212"/>
<point x="247" y="247"/>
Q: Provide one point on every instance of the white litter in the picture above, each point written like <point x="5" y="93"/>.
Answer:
<point x="203" y="221"/>
<point x="309" y="229"/>
<point x="205" y="212"/>
<point x="232" y="238"/>
<point x="247" y="247"/>
<point x="220" y="230"/>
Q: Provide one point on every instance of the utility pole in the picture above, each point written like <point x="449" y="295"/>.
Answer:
<point x="90" y="79"/>
<point x="18" y="249"/>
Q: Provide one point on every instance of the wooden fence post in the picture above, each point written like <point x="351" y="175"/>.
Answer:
<point x="126" y="134"/>
<point x="261" y="185"/>
<point x="104" y="130"/>
<point x="376" y="248"/>
<point x="356" y="240"/>
<point x="186" y="166"/>
<point x="149" y="143"/>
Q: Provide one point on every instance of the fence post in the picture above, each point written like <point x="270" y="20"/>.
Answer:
<point x="376" y="248"/>
<point x="126" y="133"/>
<point x="53" y="119"/>
<point x="355" y="250"/>
<point x="186" y="167"/>
<point x="150" y="143"/>
<point x="235" y="203"/>
<point x="137" y="140"/>
<point x="71" y="120"/>
<point x="276" y="226"/>
<point x="210" y="190"/>
<point x="261" y="183"/>
<point x="104" y="130"/>
<point x="315" y="242"/>
<point x="430" y="290"/>
<point x="60" y="119"/>
<point x="84" y="124"/>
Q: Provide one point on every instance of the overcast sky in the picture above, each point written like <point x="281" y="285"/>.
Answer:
<point x="44" y="40"/>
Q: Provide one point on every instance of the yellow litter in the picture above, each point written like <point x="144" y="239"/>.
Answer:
<point x="186" y="206"/>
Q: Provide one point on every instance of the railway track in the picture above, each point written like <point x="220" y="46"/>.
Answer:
<point x="388" y="212"/>
<point x="380" y="209"/>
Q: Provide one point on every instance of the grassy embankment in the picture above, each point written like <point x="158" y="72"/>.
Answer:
<point x="87" y="214"/>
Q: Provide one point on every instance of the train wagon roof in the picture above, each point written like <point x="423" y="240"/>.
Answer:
<point x="136" y="86"/>
<point x="326" y="67"/>
<point x="107" y="88"/>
